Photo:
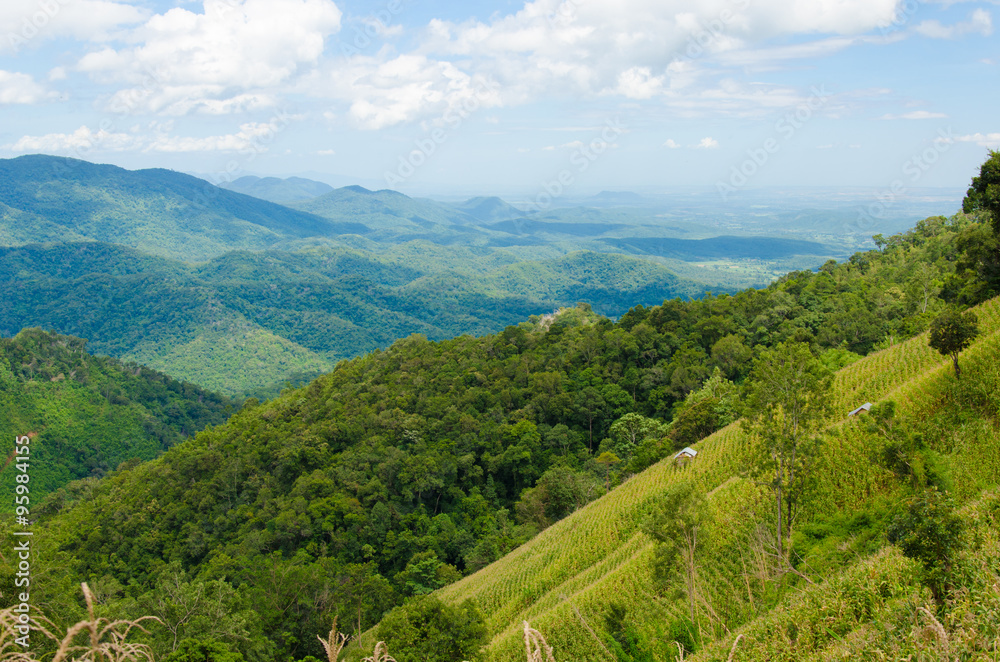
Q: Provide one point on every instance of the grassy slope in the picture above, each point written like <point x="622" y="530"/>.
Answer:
<point x="571" y="571"/>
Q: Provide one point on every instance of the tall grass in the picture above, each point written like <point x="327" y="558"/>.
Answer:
<point x="91" y="640"/>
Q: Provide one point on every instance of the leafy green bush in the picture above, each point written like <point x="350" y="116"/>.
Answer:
<point x="203" y="650"/>
<point x="428" y="630"/>
<point x="931" y="532"/>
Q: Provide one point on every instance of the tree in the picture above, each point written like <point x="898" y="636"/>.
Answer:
<point x="424" y="574"/>
<point x="984" y="194"/>
<point x="713" y="406"/>
<point x="203" y="650"/>
<point x="951" y="332"/>
<point x="630" y="430"/>
<point x="560" y="491"/>
<point x="428" y="630"/>
<point x="678" y="524"/>
<point x="606" y="459"/>
<point x="189" y="610"/>
<point x="929" y="531"/>
<point x="623" y="638"/>
<point x="977" y="267"/>
<point x="788" y="401"/>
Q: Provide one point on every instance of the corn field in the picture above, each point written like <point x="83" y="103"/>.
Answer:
<point x="563" y="579"/>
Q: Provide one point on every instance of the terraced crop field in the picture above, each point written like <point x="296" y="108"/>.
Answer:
<point x="563" y="580"/>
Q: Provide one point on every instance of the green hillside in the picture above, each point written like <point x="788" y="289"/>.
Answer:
<point x="490" y="209"/>
<point x="599" y="555"/>
<point x="403" y="470"/>
<point x="245" y="323"/>
<point x="88" y="414"/>
<point x="762" y="248"/>
<point x="282" y="191"/>
<point x="385" y="209"/>
<point x="161" y="212"/>
<point x="245" y="296"/>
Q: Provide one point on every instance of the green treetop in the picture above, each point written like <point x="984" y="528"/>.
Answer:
<point x="984" y="194"/>
<point x="953" y="331"/>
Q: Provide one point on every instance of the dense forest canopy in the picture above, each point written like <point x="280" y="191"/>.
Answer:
<point x="247" y="323"/>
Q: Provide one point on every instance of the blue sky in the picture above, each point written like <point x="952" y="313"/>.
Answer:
<point x="497" y="97"/>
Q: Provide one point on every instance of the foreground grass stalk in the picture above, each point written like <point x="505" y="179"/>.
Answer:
<point x="106" y="639"/>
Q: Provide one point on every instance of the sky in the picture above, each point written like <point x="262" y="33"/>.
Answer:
<point x="479" y="97"/>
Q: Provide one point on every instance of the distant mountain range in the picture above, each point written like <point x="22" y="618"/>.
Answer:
<point x="162" y="212"/>
<point x="241" y="294"/>
<point x="384" y="209"/>
<point x="244" y="323"/>
<point x="490" y="209"/>
<point x="273" y="189"/>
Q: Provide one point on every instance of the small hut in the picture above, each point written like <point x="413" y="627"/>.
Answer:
<point x="863" y="409"/>
<point x="685" y="455"/>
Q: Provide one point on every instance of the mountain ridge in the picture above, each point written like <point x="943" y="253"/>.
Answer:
<point x="159" y="211"/>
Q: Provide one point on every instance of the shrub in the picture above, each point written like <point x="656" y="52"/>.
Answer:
<point x="428" y="630"/>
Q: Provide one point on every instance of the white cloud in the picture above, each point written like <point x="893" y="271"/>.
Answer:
<point x="25" y="23"/>
<point x="737" y="99"/>
<point x="326" y="152"/>
<point x="251" y="135"/>
<point x="671" y="144"/>
<point x="17" y="88"/>
<point x="669" y="50"/>
<point x="991" y="140"/>
<point x="82" y="138"/>
<point x="224" y="60"/>
<point x="638" y="83"/>
<point x="914" y="115"/>
<point x="626" y="46"/>
<point x="382" y="29"/>
<point x="980" y="22"/>
<point x="404" y="89"/>
<point x="707" y="143"/>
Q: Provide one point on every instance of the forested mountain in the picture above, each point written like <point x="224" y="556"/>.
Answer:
<point x="386" y="209"/>
<point x="244" y="296"/>
<point x="161" y="212"/>
<point x="282" y="191"/>
<point x="89" y="414"/>
<point x="404" y="469"/>
<point x="490" y="209"/>
<point x="245" y="323"/>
